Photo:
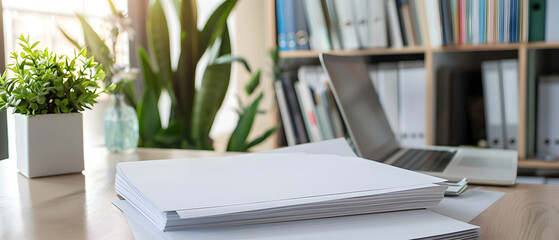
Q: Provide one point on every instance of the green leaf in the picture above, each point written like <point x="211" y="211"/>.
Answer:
<point x="113" y="8"/>
<point x="229" y="59"/>
<point x="184" y="78"/>
<point x="261" y="139"/>
<point x="73" y="41"/>
<point x="151" y="81"/>
<point x="253" y="82"/>
<point x="171" y="136"/>
<point x="129" y="93"/>
<point x="189" y="27"/>
<point x="97" y="47"/>
<point x="148" y="118"/>
<point x="208" y="101"/>
<point x="159" y="40"/>
<point x="215" y="26"/>
<point x="237" y="142"/>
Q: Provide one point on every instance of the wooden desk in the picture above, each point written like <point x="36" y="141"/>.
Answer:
<point x="78" y="206"/>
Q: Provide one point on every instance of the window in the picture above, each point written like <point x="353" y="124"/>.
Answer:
<point x="40" y="21"/>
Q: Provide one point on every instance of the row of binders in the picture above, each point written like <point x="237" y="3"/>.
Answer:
<point x="325" y="190"/>
<point x="309" y="112"/>
<point x="361" y="24"/>
<point x="478" y="108"/>
<point x="547" y="116"/>
<point x="500" y="85"/>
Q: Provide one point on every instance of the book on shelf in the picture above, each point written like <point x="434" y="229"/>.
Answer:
<point x="395" y="82"/>
<point x="295" y="115"/>
<point x="318" y="29"/>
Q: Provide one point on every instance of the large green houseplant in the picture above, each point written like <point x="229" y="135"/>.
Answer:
<point x="47" y="92"/>
<point x="193" y="110"/>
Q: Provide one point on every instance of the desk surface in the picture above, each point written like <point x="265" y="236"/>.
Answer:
<point x="78" y="206"/>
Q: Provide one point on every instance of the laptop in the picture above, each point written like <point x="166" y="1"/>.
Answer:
<point x="373" y="138"/>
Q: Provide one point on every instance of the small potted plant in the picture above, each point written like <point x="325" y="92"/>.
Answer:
<point x="47" y="92"/>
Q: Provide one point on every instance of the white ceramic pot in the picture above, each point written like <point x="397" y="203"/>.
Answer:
<point x="49" y="144"/>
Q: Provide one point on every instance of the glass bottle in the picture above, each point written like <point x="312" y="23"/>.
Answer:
<point x="120" y="125"/>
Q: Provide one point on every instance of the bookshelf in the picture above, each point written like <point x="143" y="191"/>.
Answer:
<point x="449" y="56"/>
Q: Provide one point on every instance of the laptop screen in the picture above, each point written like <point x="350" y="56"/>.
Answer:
<point x="360" y="106"/>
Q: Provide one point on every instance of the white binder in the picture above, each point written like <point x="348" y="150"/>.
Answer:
<point x="509" y="78"/>
<point x="347" y="25"/>
<point x="388" y="94"/>
<point x="492" y="94"/>
<point x="394" y="25"/>
<point x="547" y="135"/>
<point x="551" y="20"/>
<point x="434" y="22"/>
<point x="317" y="25"/>
<point x="361" y="21"/>
<point x="376" y="24"/>
<point x="412" y="86"/>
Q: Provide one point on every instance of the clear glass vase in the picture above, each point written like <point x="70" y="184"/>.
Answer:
<point x="120" y="125"/>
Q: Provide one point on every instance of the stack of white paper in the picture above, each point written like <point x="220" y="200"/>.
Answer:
<point x="264" y="188"/>
<point x="414" y="224"/>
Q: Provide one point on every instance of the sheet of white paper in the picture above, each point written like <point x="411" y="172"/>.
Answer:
<point x="338" y="146"/>
<point x="417" y="224"/>
<point x="202" y="212"/>
<point x="182" y="184"/>
<point x="468" y="205"/>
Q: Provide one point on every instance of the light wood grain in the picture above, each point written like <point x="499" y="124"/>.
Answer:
<point x="71" y="206"/>
<point x="372" y="52"/>
<point x="526" y="211"/>
<point x="536" y="163"/>
<point x="522" y="99"/>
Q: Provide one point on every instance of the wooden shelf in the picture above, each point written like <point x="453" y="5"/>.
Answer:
<point x="536" y="163"/>
<point x="375" y="51"/>
<point x="542" y="45"/>
<point x="423" y="50"/>
<point x="481" y="47"/>
<point x="460" y="56"/>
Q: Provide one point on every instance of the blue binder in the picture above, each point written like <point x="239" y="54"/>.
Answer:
<point x="280" y="18"/>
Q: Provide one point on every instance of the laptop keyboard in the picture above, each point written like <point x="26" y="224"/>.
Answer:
<point x="424" y="160"/>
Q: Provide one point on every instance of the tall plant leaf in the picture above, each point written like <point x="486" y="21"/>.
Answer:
<point x="129" y="93"/>
<point x="216" y="24"/>
<point x="113" y="8"/>
<point x="208" y="101"/>
<point x="97" y="47"/>
<point x="159" y="40"/>
<point x="184" y="78"/>
<point x="73" y="41"/>
<point x="240" y="134"/>
<point x="171" y="136"/>
<point x="148" y="118"/>
<point x="150" y="78"/>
